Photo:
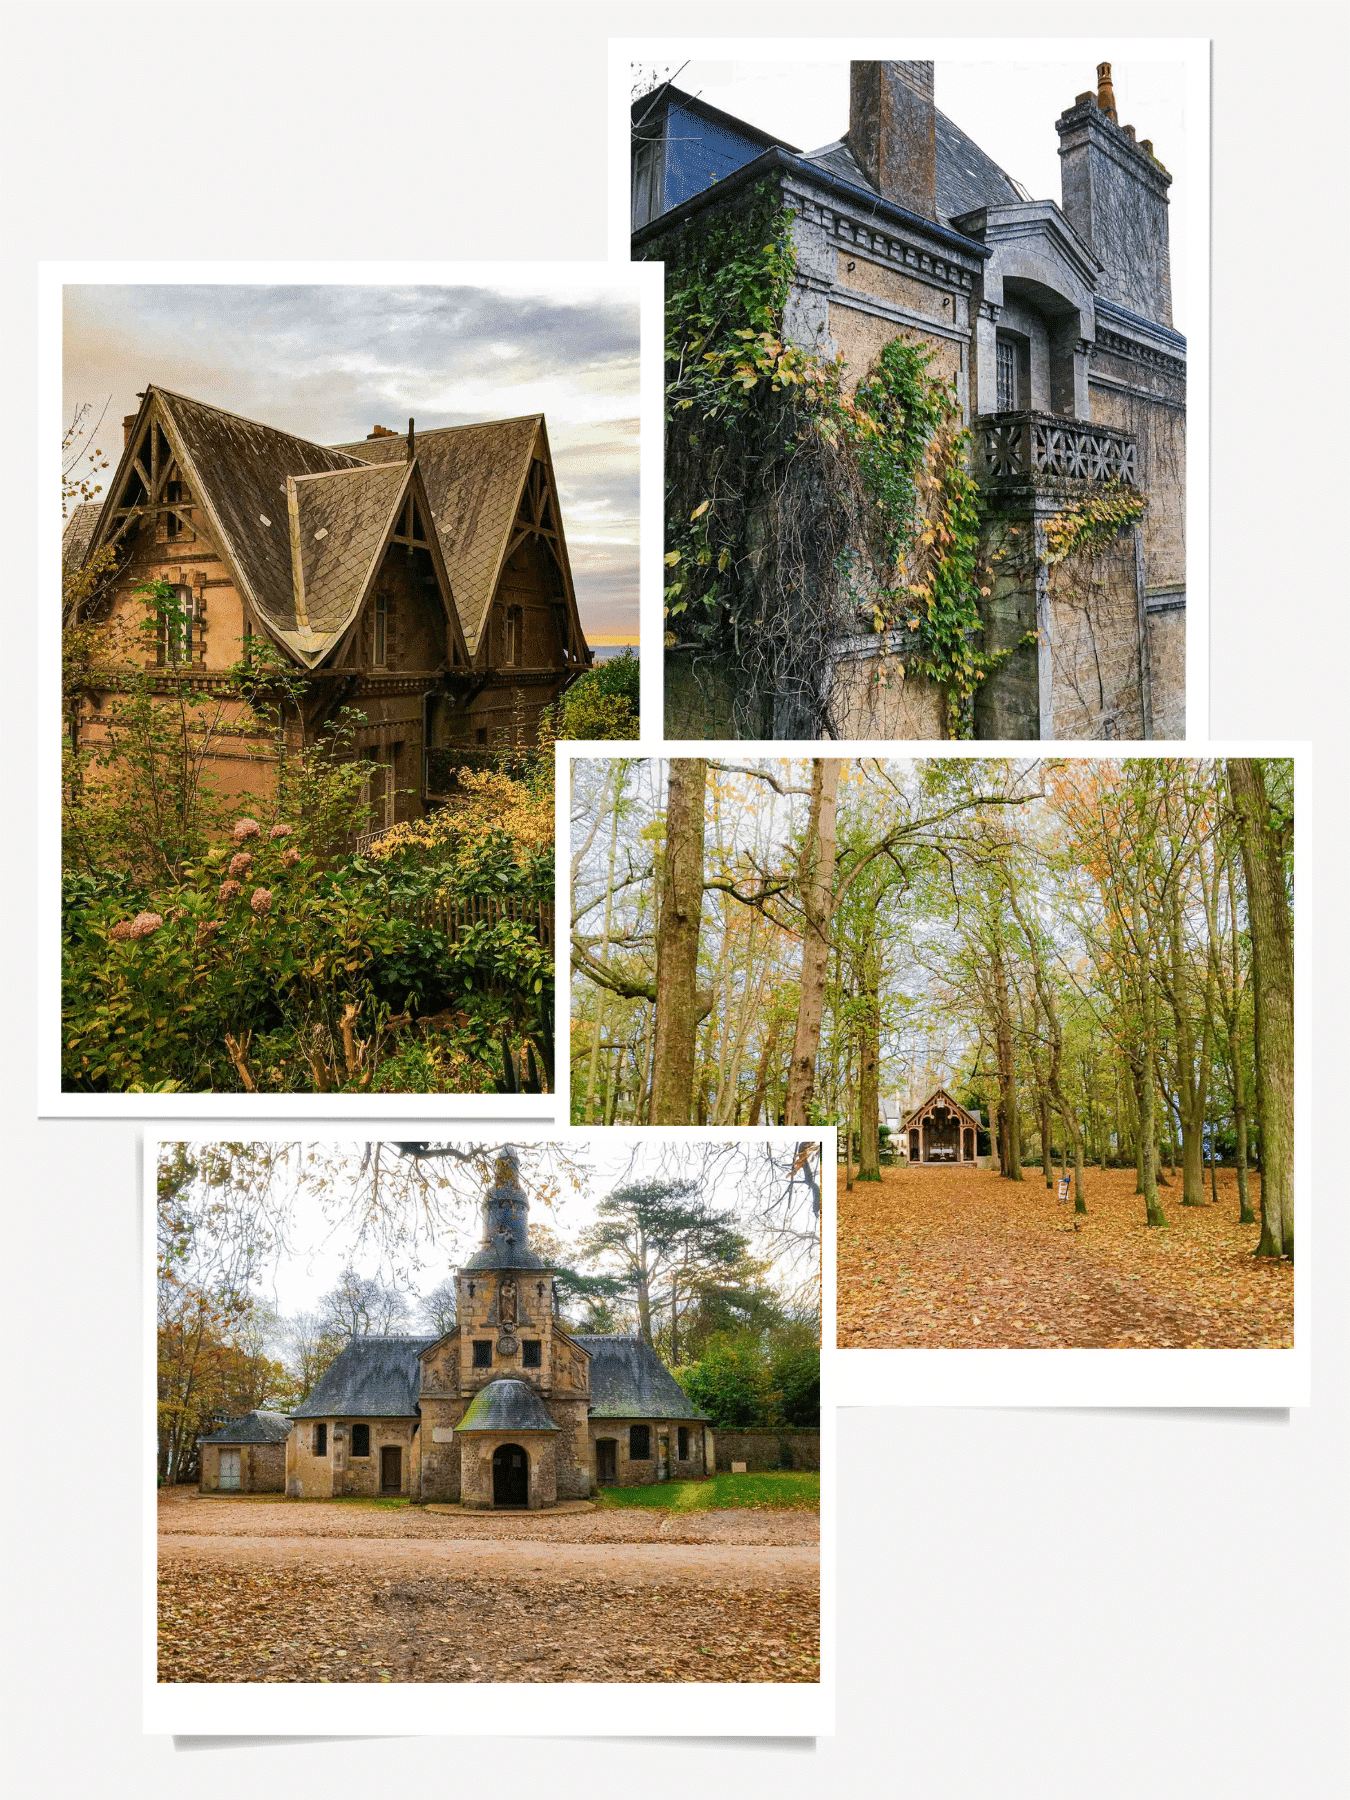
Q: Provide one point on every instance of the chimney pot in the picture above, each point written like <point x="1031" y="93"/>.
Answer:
<point x="1106" y="94"/>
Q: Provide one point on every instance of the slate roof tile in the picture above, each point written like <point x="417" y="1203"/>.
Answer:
<point x="341" y="519"/>
<point x="473" y="476"/>
<point x="629" y="1381"/>
<point x="372" y="1378"/>
<point x="506" y="1405"/>
<point x="258" y="1427"/>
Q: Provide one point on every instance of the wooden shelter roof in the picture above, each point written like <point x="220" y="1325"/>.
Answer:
<point x="941" y="1093"/>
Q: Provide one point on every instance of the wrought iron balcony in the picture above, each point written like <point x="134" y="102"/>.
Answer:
<point x="1017" y="446"/>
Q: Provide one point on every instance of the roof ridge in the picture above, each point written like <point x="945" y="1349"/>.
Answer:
<point x="244" y="419"/>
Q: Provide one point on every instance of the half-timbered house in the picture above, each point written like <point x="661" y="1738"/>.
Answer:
<point x="348" y="561"/>
<point x="941" y="1130"/>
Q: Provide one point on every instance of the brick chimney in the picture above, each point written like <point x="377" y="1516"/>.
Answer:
<point x="1115" y="195"/>
<point x="892" y="131"/>
<point x="128" y="426"/>
<point x="380" y="431"/>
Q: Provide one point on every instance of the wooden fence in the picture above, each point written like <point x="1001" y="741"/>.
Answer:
<point x="454" y="917"/>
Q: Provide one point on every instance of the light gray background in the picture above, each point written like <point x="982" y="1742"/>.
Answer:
<point x="1046" y="1604"/>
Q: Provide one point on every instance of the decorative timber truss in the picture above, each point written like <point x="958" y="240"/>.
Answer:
<point x="942" y="1131"/>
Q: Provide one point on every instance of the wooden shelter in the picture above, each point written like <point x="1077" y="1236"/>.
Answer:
<point x="941" y="1130"/>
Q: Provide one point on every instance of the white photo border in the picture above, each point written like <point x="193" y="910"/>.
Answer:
<point x="519" y="1709"/>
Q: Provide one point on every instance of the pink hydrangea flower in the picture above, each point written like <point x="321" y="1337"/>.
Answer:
<point x="207" y="929"/>
<point x="261" y="901"/>
<point x="121" y="931"/>
<point x="241" y="863"/>
<point x="279" y="831"/>
<point x="246" y="828"/>
<point x="144" y="923"/>
<point x="290" y="857"/>
<point x="228" y="889"/>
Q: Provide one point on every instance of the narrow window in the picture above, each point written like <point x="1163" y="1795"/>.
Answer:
<point x="381" y="630"/>
<point x="1007" y="376"/>
<point x="320" y="1440"/>
<point x="481" y="736"/>
<point x="482" y="1353"/>
<point x="639" y="1443"/>
<point x="360" y="1440"/>
<point x="682" y="1447"/>
<point x="173" y="493"/>
<point x="531" y="1354"/>
<point x="175" y="629"/>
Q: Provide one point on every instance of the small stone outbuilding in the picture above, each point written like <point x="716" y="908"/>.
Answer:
<point x="644" y="1427"/>
<point x="357" y="1432"/>
<point x="245" y="1455"/>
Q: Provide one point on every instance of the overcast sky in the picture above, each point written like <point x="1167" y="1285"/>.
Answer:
<point x="1008" y="107"/>
<point x="297" y="1282"/>
<point x="330" y="362"/>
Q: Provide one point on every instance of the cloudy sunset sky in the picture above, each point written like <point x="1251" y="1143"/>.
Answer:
<point x="329" y="362"/>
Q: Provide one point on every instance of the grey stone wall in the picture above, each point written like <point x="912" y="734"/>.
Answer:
<point x="763" y="1450"/>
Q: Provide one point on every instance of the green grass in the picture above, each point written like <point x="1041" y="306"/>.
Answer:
<point x="782" y="1488"/>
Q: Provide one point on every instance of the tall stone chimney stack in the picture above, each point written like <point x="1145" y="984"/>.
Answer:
<point x="892" y="131"/>
<point x="1115" y="195"/>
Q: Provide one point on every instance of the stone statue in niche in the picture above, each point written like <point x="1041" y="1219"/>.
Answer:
<point x="506" y="1302"/>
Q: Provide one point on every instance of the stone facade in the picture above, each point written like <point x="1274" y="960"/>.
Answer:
<point x="497" y="1411"/>
<point x="257" y="1469"/>
<point x="906" y="229"/>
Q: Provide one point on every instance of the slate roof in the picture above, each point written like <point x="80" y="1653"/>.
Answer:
<point x="339" y="521"/>
<point x="238" y="470"/>
<point x="77" y="534"/>
<point x="474" y="476"/>
<point x="506" y="1405"/>
<point x="259" y="1427"/>
<point x="966" y="176"/>
<point x="372" y="1378"/>
<point x="629" y="1381"/>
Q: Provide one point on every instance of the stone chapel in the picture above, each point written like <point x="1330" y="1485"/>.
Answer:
<point x="507" y="1409"/>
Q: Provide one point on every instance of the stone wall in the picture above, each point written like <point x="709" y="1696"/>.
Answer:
<point x="763" y="1450"/>
<point x="1094" y="644"/>
<point x="477" y="1451"/>
<point x="633" y="1471"/>
<point x="262" y="1469"/>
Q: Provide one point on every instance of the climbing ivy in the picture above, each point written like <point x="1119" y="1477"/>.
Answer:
<point x="779" y="480"/>
<point x="1092" y="521"/>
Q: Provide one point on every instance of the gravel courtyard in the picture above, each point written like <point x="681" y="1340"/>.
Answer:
<point x="261" y="1590"/>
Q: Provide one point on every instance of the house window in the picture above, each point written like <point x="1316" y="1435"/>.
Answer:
<point x="482" y="1353"/>
<point x="381" y="656"/>
<point x="531" y="1354"/>
<point x="1007" y="376"/>
<point x="481" y="735"/>
<point x="320" y="1440"/>
<point x="682" y="1444"/>
<point x="639" y="1443"/>
<point x="515" y="622"/>
<point x="175" y="629"/>
<point x="360" y="1440"/>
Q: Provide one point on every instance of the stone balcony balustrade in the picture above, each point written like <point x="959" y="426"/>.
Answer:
<point x="1019" y="446"/>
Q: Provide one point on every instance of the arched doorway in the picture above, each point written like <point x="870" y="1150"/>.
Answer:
<point x="510" y="1476"/>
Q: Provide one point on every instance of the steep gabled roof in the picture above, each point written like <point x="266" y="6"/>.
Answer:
<point x="258" y="1427"/>
<point x="78" y="535"/>
<point x="941" y="1093"/>
<point x="475" y="477"/>
<point x="373" y="1378"/>
<point x="629" y="1381"/>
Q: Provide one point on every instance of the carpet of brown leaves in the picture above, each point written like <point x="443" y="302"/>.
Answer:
<point x="331" y="1593"/>
<point x="952" y="1258"/>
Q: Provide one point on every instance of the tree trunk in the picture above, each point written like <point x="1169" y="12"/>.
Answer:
<point x="869" y="1060"/>
<point x="677" y="1000"/>
<point x="762" y="1074"/>
<point x="1272" y="932"/>
<point x="816" y="880"/>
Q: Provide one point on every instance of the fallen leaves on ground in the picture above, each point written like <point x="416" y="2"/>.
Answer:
<point x="960" y="1259"/>
<point x="290" y="1624"/>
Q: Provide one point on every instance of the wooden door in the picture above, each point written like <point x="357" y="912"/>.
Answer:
<point x="510" y="1476"/>
<point x="606" y="1462"/>
<point x="229" y="1468"/>
<point x="391" y="1469"/>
